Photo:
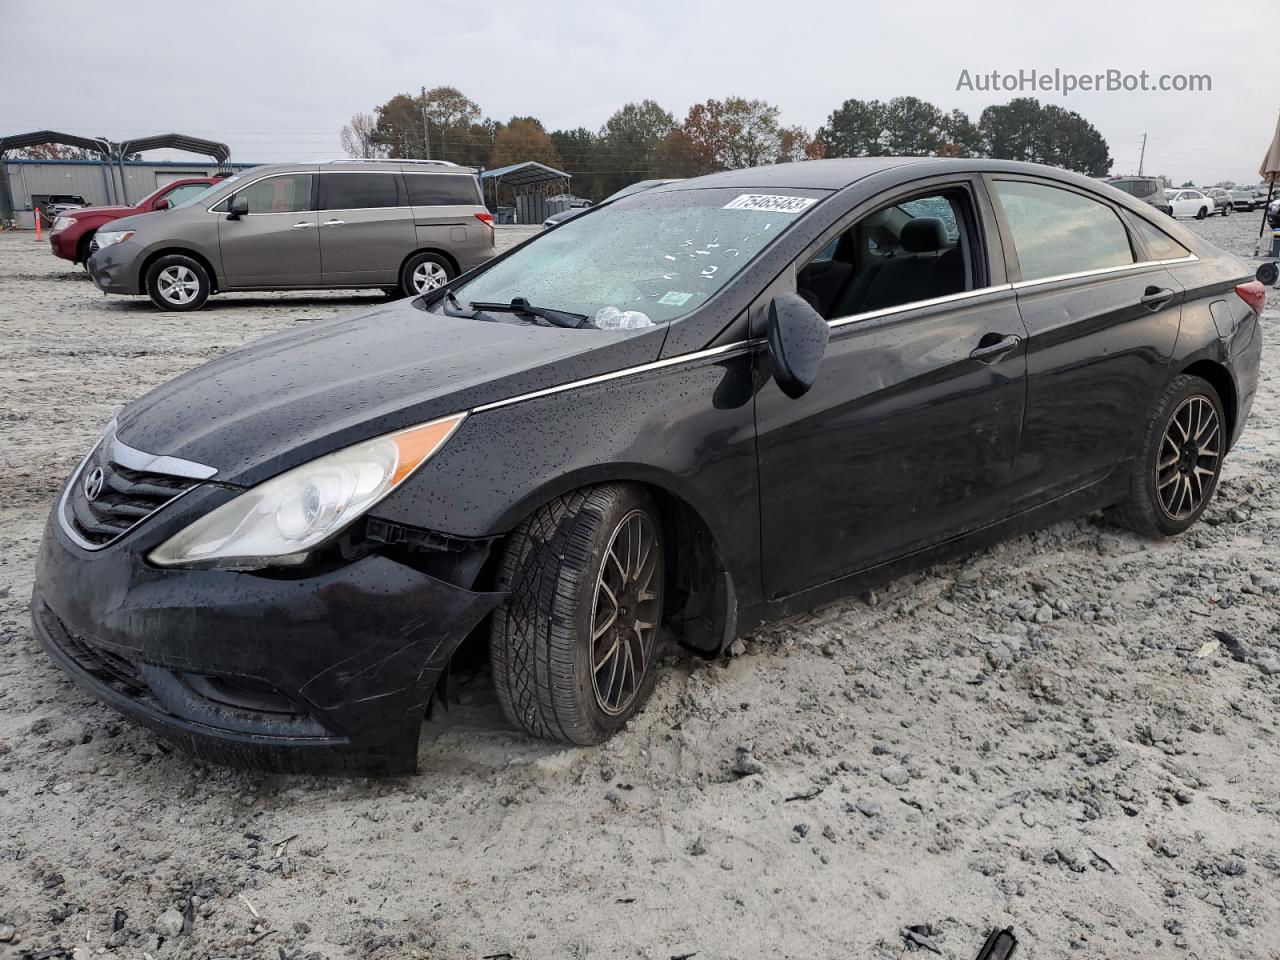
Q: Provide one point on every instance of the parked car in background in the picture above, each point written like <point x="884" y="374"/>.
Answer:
<point x="49" y="205"/>
<point x="1221" y="200"/>
<point x="1246" y="198"/>
<point x="403" y="225"/>
<point x="1190" y="203"/>
<point x="1148" y="189"/>
<point x="834" y="372"/>
<point x="1273" y="213"/>
<point x="73" y="230"/>
<point x="638" y="187"/>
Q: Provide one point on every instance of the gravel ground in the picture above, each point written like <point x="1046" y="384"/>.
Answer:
<point x="1044" y="736"/>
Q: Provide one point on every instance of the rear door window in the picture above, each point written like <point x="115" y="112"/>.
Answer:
<point x="441" y="189"/>
<point x="357" y="191"/>
<point x="1057" y="232"/>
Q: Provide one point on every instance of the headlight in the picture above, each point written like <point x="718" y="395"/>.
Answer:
<point x="61" y="223"/>
<point x="106" y="238"/>
<point x="278" y="521"/>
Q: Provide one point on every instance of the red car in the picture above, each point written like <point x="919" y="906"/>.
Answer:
<point x="74" y="229"/>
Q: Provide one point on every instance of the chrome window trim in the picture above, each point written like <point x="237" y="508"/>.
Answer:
<point x="916" y="304"/>
<point x="1103" y="271"/>
<point x="723" y="351"/>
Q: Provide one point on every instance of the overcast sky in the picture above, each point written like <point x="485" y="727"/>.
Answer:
<point x="277" y="81"/>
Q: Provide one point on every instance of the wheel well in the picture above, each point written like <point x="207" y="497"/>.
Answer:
<point x="82" y="245"/>
<point x="203" y="261"/>
<point x="1218" y="375"/>
<point x="432" y="250"/>
<point x="697" y="587"/>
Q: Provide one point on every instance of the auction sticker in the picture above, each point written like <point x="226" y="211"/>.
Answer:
<point x="675" y="298"/>
<point x="770" y="203"/>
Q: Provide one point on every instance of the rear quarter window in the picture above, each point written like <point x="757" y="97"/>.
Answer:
<point x="1160" y="246"/>
<point x="1057" y="232"/>
<point x="436" y="189"/>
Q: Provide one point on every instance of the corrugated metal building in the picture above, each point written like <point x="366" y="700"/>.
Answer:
<point x="98" y="183"/>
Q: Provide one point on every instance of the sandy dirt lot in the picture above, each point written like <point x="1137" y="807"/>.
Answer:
<point x="1035" y="737"/>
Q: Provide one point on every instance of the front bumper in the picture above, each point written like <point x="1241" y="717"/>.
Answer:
<point x="114" y="269"/>
<point x="63" y="243"/>
<point x="329" y="673"/>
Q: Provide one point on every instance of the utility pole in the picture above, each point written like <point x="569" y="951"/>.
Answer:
<point x="426" y="129"/>
<point x="1143" y="155"/>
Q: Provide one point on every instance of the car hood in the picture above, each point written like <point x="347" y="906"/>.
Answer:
<point x="83" y="212"/>
<point x="289" y="398"/>
<point x="138" y="221"/>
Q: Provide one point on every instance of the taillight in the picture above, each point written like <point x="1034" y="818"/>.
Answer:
<point x="1254" y="294"/>
<point x="485" y="217"/>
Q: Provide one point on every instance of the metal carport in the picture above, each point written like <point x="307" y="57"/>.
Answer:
<point x="531" y="184"/>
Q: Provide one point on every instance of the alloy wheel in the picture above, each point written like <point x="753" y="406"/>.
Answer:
<point x="625" y="612"/>
<point x="178" y="284"/>
<point x="428" y="276"/>
<point x="1188" y="460"/>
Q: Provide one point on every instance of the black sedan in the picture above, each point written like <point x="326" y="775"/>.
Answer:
<point x="690" y="411"/>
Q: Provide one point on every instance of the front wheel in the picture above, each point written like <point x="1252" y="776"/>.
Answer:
<point x="1226" y="211"/>
<point x="1176" y="471"/>
<point x="178" y="282"/>
<point x="423" y="272"/>
<point x="573" y="647"/>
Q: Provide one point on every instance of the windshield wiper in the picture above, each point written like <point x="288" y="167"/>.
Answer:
<point x="453" y="307"/>
<point x="521" y="307"/>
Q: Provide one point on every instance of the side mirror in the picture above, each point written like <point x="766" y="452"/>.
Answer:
<point x="797" y="336"/>
<point x="238" y="207"/>
<point x="161" y="204"/>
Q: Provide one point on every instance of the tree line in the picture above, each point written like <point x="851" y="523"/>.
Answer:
<point x="643" y="140"/>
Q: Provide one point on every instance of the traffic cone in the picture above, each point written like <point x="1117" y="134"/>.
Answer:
<point x="36" y="210"/>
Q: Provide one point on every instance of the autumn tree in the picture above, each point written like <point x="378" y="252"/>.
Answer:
<point x="733" y="133"/>
<point x="443" y="124"/>
<point x="794" y="144"/>
<point x="523" y="139"/>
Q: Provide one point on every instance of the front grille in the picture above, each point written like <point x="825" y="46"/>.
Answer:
<point x="123" y="498"/>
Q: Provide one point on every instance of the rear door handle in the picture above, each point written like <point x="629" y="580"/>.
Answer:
<point x="303" y="225"/>
<point x="334" y="223"/>
<point x="988" y="350"/>
<point x="1156" y="297"/>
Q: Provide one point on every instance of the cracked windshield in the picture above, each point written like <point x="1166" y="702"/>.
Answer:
<point x="644" y="260"/>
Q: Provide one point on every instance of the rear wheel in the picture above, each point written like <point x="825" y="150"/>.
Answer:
<point x="1176" y="471"/>
<point x="1226" y="211"/>
<point x="423" y="272"/>
<point x="1202" y="213"/>
<point x="178" y="282"/>
<point x="573" y="648"/>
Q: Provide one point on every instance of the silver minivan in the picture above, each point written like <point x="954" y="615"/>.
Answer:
<point x="405" y="226"/>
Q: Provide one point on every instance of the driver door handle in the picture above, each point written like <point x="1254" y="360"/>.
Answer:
<point x="302" y="225"/>
<point x="1155" y="297"/>
<point x="333" y="223"/>
<point x="987" y="349"/>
